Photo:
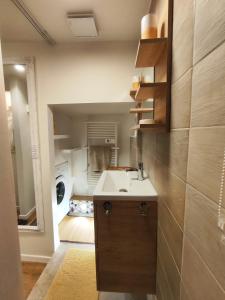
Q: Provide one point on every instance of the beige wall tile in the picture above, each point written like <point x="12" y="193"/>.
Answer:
<point x="175" y="199"/>
<point x="201" y="227"/>
<point x="170" y="276"/>
<point x="161" y="179"/>
<point x="163" y="148"/>
<point x="172" y="233"/>
<point x="172" y="151"/>
<point x="208" y="94"/>
<point x="171" y="190"/>
<point x="209" y="28"/>
<point x="182" y="37"/>
<point x="197" y="279"/>
<point x="205" y="161"/>
<point x="178" y="152"/>
<point x="163" y="290"/>
<point x="181" y="101"/>
<point x="183" y="293"/>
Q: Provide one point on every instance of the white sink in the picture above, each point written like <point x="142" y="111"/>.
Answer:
<point x="118" y="184"/>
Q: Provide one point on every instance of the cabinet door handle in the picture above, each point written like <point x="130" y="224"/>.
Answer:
<point x="107" y="206"/>
<point x="143" y="209"/>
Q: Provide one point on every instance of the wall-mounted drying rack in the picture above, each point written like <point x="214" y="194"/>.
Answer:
<point x="61" y="136"/>
<point x="68" y="151"/>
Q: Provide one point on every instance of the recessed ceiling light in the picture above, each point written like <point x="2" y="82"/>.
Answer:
<point x="82" y="25"/>
<point x="19" y="68"/>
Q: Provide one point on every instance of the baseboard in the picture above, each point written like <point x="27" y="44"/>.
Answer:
<point x="35" y="258"/>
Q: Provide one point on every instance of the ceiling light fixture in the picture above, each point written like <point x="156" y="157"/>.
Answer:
<point x="34" y="22"/>
<point x="19" y="68"/>
<point x="82" y="25"/>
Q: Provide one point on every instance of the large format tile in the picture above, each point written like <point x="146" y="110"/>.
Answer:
<point x="181" y="101"/>
<point x="172" y="233"/>
<point x="163" y="288"/>
<point x="179" y="152"/>
<point x="208" y="90"/>
<point x="201" y="227"/>
<point x="175" y="199"/>
<point x="205" y="161"/>
<point x="162" y="151"/>
<point x="168" y="274"/>
<point x="182" y="37"/>
<point x="197" y="279"/>
<point x="172" y="151"/>
<point x="171" y="190"/>
<point x="183" y="293"/>
<point x="209" y="28"/>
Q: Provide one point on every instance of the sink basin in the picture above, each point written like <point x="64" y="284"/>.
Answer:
<point x="122" y="184"/>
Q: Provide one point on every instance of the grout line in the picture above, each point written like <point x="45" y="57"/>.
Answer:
<point x="182" y="75"/>
<point x="221" y="220"/>
<point x="204" y="263"/>
<point x="170" y="251"/>
<point x="173" y="217"/>
<point x="180" y="129"/>
<point x="202" y="193"/>
<point x="207" y="127"/>
<point x="207" y="54"/>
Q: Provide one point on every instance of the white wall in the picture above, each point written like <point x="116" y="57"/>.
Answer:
<point x="76" y="128"/>
<point x="125" y="122"/>
<point x="85" y="72"/>
<point x="10" y="275"/>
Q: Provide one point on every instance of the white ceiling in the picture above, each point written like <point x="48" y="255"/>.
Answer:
<point x="93" y="108"/>
<point x="117" y="20"/>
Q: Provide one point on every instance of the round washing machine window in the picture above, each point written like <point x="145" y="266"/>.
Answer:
<point x="60" y="192"/>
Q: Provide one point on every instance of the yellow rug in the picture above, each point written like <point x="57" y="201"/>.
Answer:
<point x="75" y="279"/>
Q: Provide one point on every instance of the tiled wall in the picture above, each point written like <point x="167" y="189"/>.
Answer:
<point x="186" y="165"/>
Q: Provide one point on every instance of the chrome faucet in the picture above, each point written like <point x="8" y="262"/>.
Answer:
<point x="140" y="171"/>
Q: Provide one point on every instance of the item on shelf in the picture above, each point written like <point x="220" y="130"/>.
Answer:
<point x="148" y="27"/>
<point x="147" y="121"/>
<point x="147" y="79"/>
<point x="136" y="82"/>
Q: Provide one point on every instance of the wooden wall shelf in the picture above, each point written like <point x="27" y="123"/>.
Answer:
<point x="149" y="91"/>
<point x="141" y="110"/>
<point x="155" y="127"/>
<point x="157" y="53"/>
<point x="149" y="52"/>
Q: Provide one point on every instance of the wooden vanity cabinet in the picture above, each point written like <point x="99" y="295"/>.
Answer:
<point x="126" y="245"/>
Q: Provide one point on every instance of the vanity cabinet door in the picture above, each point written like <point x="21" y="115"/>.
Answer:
<point x="126" y="243"/>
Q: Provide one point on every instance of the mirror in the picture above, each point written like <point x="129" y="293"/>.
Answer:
<point x="22" y="125"/>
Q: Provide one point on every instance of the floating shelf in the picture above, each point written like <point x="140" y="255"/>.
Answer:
<point x="141" y="110"/>
<point x="61" y="136"/>
<point x="150" y="51"/>
<point x="149" y="90"/>
<point x="158" y="127"/>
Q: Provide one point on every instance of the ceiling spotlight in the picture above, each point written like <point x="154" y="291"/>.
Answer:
<point x="19" y="68"/>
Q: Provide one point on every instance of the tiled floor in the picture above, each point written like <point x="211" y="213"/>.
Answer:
<point x="42" y="285"/>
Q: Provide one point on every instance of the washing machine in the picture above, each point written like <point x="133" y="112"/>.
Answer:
<point x="63" y="182"/>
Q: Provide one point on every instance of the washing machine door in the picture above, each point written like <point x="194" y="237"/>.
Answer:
<point x="60" y="189"/>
